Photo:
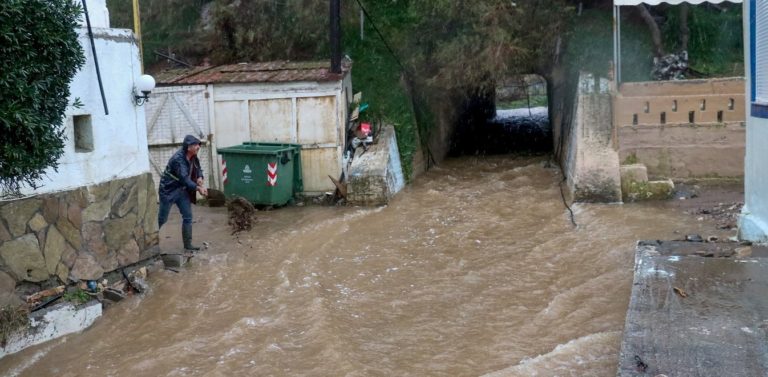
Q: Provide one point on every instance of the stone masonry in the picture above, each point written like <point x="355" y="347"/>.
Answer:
<point x="76" y="235"/>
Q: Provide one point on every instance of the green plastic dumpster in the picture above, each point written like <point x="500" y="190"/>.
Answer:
<point x="263" y="173"/>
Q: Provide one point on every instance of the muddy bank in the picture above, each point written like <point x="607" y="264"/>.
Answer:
<point x="716" y="202"/>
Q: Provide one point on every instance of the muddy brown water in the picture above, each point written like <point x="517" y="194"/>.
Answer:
<point x="473" y="270"/>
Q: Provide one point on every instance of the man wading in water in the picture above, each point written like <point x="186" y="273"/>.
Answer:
<point x="181" y="179"/>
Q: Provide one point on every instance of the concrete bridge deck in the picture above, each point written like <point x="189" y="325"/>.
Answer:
<point x="697" y="309"/>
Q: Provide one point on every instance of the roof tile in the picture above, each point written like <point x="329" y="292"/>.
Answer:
<point x="276" y="71"/>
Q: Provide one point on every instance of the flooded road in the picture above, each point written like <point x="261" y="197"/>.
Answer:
<point x="474" y="270"/>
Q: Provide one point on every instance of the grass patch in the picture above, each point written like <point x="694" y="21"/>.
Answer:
<point x="630" y="160"/>
<point x="12" y="320"/>
<point x="77" y="297"/>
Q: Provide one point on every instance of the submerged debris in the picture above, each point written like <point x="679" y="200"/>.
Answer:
<point x="725" y="214"/>
<point x="241" y="214"/>
<point x="640" y="364"/>
<point x="694" y="238"/>
<point x="680" y="292"/>
<point x="113" y="294"/>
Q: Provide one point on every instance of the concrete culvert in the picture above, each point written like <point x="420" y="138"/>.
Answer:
<point x="512" y="119"/>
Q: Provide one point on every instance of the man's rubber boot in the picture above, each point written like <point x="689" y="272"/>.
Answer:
<point x="186" y="236"/>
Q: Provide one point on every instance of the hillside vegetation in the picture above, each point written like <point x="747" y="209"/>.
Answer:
<point x="417" y="62"/>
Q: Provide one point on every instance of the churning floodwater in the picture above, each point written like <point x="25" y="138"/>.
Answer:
<point x="476" y="269"/>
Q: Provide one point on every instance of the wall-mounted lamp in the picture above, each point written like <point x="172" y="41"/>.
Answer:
<point x="145" y="84"/>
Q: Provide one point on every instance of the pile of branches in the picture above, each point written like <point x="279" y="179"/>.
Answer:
<point x="670" y="67"/>
<point x="242" y="214"/>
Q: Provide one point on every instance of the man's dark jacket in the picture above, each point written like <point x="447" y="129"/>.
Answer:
<point x="181" y="174"/>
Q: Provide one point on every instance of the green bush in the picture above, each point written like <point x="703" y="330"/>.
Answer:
<point x="39" y="56"/>
<point x="167" y="26"/>
<point x="716" y="43"/>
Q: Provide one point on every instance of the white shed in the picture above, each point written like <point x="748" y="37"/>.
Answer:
<point x="287" y="102"/>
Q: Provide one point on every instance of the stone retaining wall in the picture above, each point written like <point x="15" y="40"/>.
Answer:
<point x="78" y="234"/>
<point x="702" y="101"/>
<point x="683" y="129"/>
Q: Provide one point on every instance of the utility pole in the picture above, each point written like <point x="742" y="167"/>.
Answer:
<point x="335" y="36"/>
<point x="137" y="32"/>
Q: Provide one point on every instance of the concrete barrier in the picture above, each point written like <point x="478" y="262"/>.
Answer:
<point x="54" y="322"/>
<point x="592" y="164"/>
<point x="376" y="175"/>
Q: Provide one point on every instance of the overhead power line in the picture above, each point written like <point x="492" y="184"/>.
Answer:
<point x="375" y="28"/>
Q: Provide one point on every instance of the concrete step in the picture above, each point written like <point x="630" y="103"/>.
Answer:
<point x="635" y="185"/>
<point x="696" y="309"/>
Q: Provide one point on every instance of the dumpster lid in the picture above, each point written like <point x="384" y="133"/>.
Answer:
<point x="256" y="149"/>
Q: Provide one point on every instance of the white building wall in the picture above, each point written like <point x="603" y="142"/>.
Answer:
<point x="97" y="13"/>
<point x="119" y="139"/>
<point x="753" y="224"/>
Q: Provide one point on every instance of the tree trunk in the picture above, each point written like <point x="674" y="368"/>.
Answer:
<point x="655" y="32"/>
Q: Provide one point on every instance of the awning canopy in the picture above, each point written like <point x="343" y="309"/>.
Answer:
<point x="670" y="2"/>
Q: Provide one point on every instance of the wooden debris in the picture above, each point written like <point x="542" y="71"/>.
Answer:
<point x="113" y="294"/>
<point x="46" y="293"/>
<point x="743" y="252"/>
<point x="341" y="188"/>
<point x="680" y="292"/>
<point x="640" y="364"/>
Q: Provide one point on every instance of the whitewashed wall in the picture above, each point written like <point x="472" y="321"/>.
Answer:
<point x="119" y="139"/>
<point x="97" y="12"/>
<point x="753" y="224"/>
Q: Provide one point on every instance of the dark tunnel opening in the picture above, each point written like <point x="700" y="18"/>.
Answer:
<point x="511" y="118"/>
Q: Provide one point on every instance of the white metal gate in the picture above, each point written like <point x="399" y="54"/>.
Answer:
<point x="172" y="113"/>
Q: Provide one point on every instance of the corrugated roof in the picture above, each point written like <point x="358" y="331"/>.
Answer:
<point x="277" y="71"/>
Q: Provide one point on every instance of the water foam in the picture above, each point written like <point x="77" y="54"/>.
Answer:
<point x="32" y="360"/>
<point x="571" y="358"/>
